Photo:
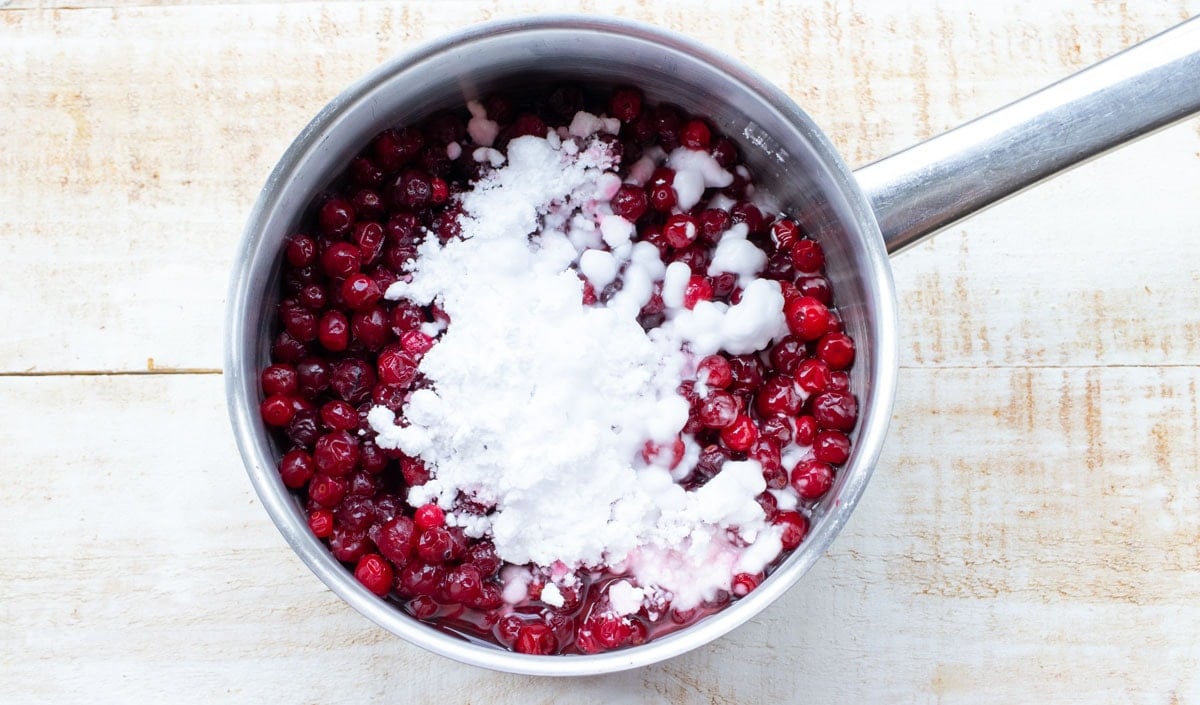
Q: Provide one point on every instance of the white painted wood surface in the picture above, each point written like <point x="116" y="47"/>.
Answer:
<point x="1031" y="534"/>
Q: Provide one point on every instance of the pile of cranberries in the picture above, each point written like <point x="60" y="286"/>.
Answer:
<point x="340" y="348"/>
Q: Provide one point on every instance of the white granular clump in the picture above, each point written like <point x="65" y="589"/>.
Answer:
<point x="541" y="406"/>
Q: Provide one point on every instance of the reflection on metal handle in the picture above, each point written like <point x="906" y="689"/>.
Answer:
<point x="940" y="181"/>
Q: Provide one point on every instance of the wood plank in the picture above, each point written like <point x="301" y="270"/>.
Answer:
<point x="1029" y="531"/>
<point x="137" y="139"/>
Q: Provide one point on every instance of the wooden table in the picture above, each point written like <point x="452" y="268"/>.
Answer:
<point x="1030" y="535"/>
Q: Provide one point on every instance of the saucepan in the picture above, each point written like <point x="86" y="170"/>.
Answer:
<point x="860" y="217"/>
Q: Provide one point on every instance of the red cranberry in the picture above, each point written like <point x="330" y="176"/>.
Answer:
<point x="296" y="468"/>
<point x="303" y="429"/>
<point x="725" y="152"/>
<point x="429" y="516"/>
<point x="839" y="381"/>
<point x="713" y="223"/>
<point x="811" y="478"/>
<point x="416" y="474"/>
<point x="748" y="213"/>
<point x="743" y="583"/>
<point x="808" y="257"/>
<point x="806" y="430"/>
<point x="355" y="513"/>
<point x="395" y="148"/>
<point x="277" y="410"/>
<point x="835" y="410"/>
<point x="681" y="230"/>
<point x="784" y="233"/>
<point x="625" y="104"/>
<point x="365" y="173"/>
<point x="794" y="526"/>
<point x="712" y="457"/>
<point x="435" y="545"/>
<point x="695" y="135"/>
<point x="812" y="376"/>
<point x="816" y="287"/>
<point x="420" y="578"/>
<point x="301" y="251"/>
<point x="352" y="380"/>
<point x="370" y="328"/>
<point x="630" y="202"/>
<point x="667" y="122"/>
<point x="769" y="504"/>
<point x="482" y="555"/>
<point x="287" y="349"/>
<point x="312" y="377"/>
<point x="360" y="291"/>
<point x="740" y="435"/>
<point x="333" y="331"/>
<point x="667" y="455"/>
<point x="746" y="373"/>
<point x="714" y="371"/>
<point x="320" y="522"/>
<point x="717" y="410"/>
<point x="778" y="429"/>
<point x="327" y="491"/>
<point x="528" y="124"/>
<point x="396" y="367"/>
<point x="787" y="354"/>
<point x="341" y="259"/>
<point x="777" y="397"/>
<point x="535" y="638"/>
<point x="395" y="539"/>
<point x="335" y="217"/>
<point x="279" y="379"/>
<point x="807" y="318"/>
<point x="698" y="289"/>
<point x="313" y="297"/>
<point x="371" y="457"/>
<point x="837" y="350"/>
<point x="831" y="447"/>
<point x="463" y="584"/>
<point x="336" y="453"/>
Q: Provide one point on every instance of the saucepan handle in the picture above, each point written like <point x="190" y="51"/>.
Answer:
<point x="936" y="183"/>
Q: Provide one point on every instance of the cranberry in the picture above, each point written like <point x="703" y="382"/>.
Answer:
<point x="625" y="104"/>
<point x="333" y="331"/>
<point x="313" y="297"/>
<point x="420" y="578"/>
<point x="287" y="349"/>
<point x="370" y="328"/>
<point x="698" y="289"/>
<point x="336" y="453"/>
<point x="396" y="367"/>
<point x="837" y="350"/>
<point x="748" y="213"/>
<point x="777" y="397"/>
<point x="778" y="429"/>
<point x="535" y="638"/>
<point x="429" y="516"/>
<point x="301" y="251"/>
<point x="277" y="410"/>
<point x="630" y="202"/>
<point x="528" y="124"/>
<point x="296" y="468"/>
<point x="725" y="152"/>
<point x="839" y="381"/>
<point x="744" y="583"/>
<point x="831" y="447"/>
<point x="336" y="217"/>
<point x="463" y="584"/>
<point x="341" y="259"/>
<point x="806" y="430"/>
<point x="740" y="435"/>
<point x="807" y="318"/>
<point x="816" y="287"/>
<point x="787" y="354"/>
<point x="746" y="373"/>
<point x="808" y="256"/>
<point x="695" y="135"/>
<point x="327" y="490"/>
<point x="352" y="380"/>
<point x="667" y="455"/>
<point x="303" y="429"/>
<point x="482" y="555"/>
<point x="784" y="233"/>
<point x="667" y="122"/>
<point x="364" y="172"/>
<point x="714" y="371"/>
<point x="681" y="230"/>
<point x="812" y="376"/>
<point x="312" y="377"/>
<point x="320" y="522"/>
<point x="835" y="410"/>
<point x="416" y="474"/>
<point x="794" y="528"/>
<point x="279" y="379"/>
<point x="811" y="478"/>
<point x="355" y="513"/>
<point x="395" y="148"/>
<point x="371" y="457"/>
<point x="360" y="291"/>
<point x="717" y="410"/>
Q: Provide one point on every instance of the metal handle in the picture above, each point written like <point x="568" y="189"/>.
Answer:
<point x="936" y="183"/>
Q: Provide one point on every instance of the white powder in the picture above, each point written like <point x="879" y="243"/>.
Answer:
<point x="541" y="406"/>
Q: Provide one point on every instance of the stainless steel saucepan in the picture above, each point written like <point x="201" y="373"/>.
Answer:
<point x="859" y="216"/>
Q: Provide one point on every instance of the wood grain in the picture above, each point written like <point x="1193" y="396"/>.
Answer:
<point x="1032" y="531"/>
